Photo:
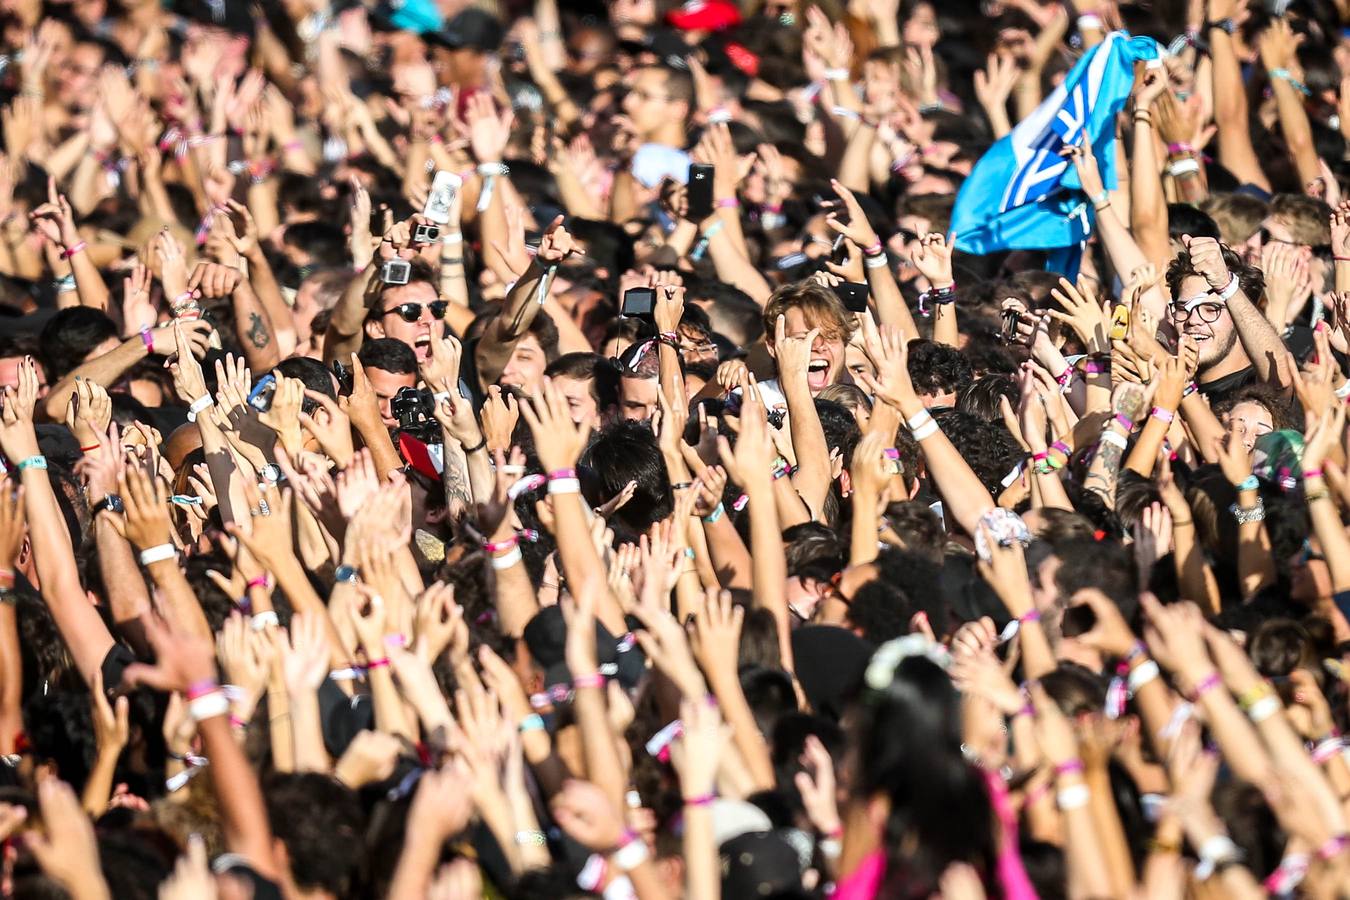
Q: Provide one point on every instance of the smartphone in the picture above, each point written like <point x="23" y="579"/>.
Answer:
<point x="853" y="294"/>
<point x="395" y="271"/>
<point x="1012" y="318"/>
<point x="638" y="302"/>
<point x="260" y="398"/>
<point x="1120" y="322"/>
<point x="426" y="234"/>
<point x="441" y="197"/>
<point x="700" y="191"/>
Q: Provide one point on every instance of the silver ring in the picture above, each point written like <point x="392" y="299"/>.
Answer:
<point x="255" y="512"/>
<point x="263" y="508"/>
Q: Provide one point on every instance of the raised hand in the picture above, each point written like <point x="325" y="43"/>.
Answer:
<point x="933" y="259"/>
<point x="1207" y="259"/>
<point x="558" y="440"/>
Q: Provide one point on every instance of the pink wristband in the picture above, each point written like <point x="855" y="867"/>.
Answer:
<point x="593" y="680"/>
<point x="728" y="203"/>
<point x="1312" y="473"/>
<point x="147" y="339"/>
<point x="262" y="581"/>
<point x="1162" y="415"/>
<point x="499" y="546"/>
<point x="562" y="473"/>
<point x="68" y="253"/>
<point x="202" y="688"/>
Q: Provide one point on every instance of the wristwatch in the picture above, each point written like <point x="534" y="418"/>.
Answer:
<point x="345" y="574"/>
<point x="1227" y="26"/>
<point x="271" y="473"/>
<point x="110" y="503"/>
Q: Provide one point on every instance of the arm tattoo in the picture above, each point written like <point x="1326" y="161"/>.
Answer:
<point x="455" y="478"/>
<point x="258" y="335"/>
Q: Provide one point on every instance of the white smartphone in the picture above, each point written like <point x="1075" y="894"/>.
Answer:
<point x="444" y="187"/>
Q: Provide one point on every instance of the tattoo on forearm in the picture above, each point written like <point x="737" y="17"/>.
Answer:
<point x="455" y="480"/>
<point x="258" y="335"/>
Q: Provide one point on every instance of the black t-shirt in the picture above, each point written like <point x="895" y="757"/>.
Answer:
<point x="1216" y="391"/>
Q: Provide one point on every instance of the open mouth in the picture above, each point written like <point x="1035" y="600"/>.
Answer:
<point x="817" y="371"/>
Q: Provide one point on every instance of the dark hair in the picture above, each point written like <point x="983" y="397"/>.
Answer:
<point x="389" y="355"/>
<point x="624" y="452"/>
<point x="937" y="368"/>
<point x="325" y="244"/>
<point x="320" y="822"/>
<point x="980" y="397"/>
<point x="879" y="611"/>
<point x="987" y="446"/>
<point x="1252" y="281"/>
<point x="313" y="374"/>
<point x="907" y="739"/>
<point x="546" y="333"/>
<point x="1182" y="218"/>
<point x="69" y="336"/>
<point x="918" y="528"/>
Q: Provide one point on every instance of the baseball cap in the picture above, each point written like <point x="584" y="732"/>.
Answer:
<point x="705" y="15"/>
<point x="472" y="29"/>
<point x="420" y="16"/>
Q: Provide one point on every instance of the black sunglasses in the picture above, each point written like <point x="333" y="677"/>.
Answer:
<point x="411" y="312"/>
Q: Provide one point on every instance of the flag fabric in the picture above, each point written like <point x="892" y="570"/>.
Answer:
<point x="1022" y="195"/>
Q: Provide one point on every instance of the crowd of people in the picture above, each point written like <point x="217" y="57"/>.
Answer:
<point x="456" y="451"/>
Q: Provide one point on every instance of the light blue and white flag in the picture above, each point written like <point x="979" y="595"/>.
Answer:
<point x="1022" y="195"/>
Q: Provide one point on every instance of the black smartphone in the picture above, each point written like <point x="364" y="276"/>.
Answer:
<point x="638" y="302"/>
<point x="1011" y="319"/>
<point x="700" y="191"/>
<point x="853" y="295"/>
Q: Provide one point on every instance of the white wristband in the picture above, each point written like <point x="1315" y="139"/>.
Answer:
<point x="501" y="563"/>
<point x="1142" y="674"/>
<point x="1089" y="20"/>
<point x="158" y="554"/>
<point x="452" y="237"/>
<point x="1230" y="289"/>
<point x="918" y="420"/>
<point x="198" y="406"/>
<point x="261" y="620"/>
<point x="839" y="74"/>
<point x="1343" y="391"/>
<point x="1112" y="437"/>
<point x="880" y="261"/>
<point x="564" y="486"/>
<point x="927" y="430"/>
<point x="1075" y="796"/>
<point x="630" y="855"/>
<point x="209" y="706"/>
<point x="1182" y="167"/>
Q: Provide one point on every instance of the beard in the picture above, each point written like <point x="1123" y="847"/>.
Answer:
<point x="1216" y="351"/>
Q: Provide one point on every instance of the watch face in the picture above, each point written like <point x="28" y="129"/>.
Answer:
<point x="113" y="503"/>
<point x="345" y="573"/>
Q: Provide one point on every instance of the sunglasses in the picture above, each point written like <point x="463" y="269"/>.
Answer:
<point x="411" y="312"/>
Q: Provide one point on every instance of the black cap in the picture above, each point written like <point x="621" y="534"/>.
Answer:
<point x="232" y="15"/>
<point x="759" y="864"/>
<point x="472" y="29"/>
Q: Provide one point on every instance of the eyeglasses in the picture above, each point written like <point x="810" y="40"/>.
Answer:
<point x="411" y="312"/>
<point x="1208" y="312"/>
<point x="1267" y="238"/>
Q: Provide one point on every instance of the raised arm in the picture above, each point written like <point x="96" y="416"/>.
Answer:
<point x="78" y="621"/>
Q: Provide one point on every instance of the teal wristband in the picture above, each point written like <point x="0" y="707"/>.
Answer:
<point x="1250" y="483"/>
<point x="532" y="722"/>
<point x="716" y="514"/>
<point x="32" y="462"/>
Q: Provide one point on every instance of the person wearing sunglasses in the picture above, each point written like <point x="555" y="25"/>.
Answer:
<point x="1211" y="289"/>
<point x="412" y="313"/>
